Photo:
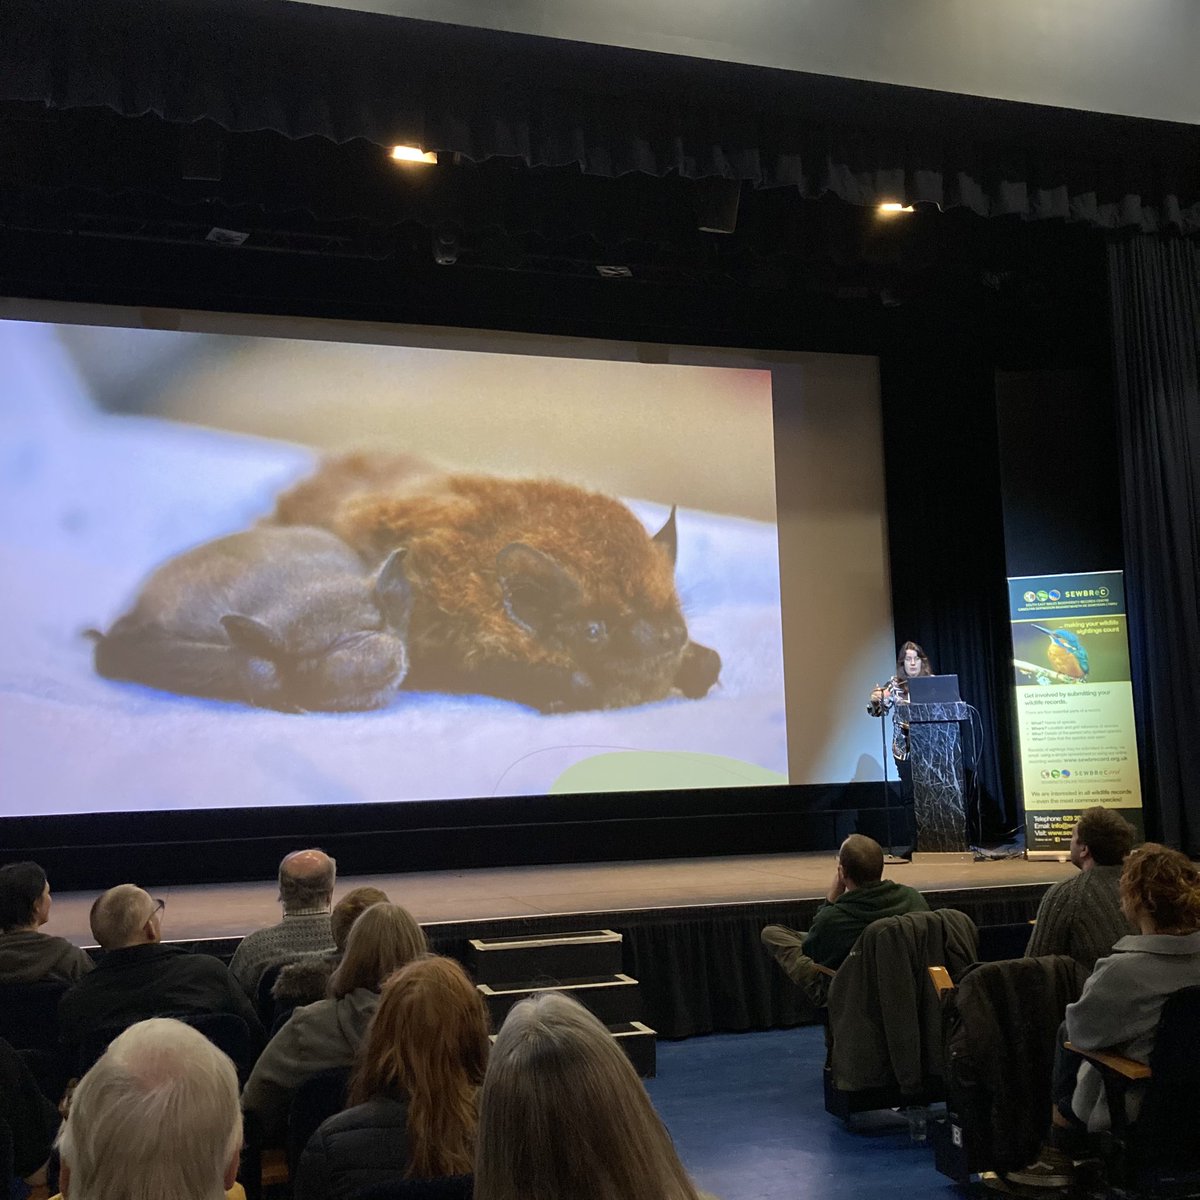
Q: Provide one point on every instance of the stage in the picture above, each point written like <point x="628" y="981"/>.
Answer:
<point x="690" y="926"/>
<point x="440" y="898"/>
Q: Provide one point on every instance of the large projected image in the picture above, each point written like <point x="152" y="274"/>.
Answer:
<point x="249" y="571"/>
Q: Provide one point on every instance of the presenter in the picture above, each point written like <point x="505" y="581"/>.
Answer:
<point x="892" y="697"/>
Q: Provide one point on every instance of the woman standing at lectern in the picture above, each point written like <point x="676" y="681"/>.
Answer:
<point x="892" y="696"/>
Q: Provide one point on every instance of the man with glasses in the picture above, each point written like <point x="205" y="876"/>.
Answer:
<point x="140" y="976"/>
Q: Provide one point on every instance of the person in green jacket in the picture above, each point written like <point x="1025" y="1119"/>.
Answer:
<point x="857" y="896"/>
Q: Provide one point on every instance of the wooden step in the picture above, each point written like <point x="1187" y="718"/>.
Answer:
<point x="614" y="998"/>
<point x="502" y="960"/>
<point x="640" y="1044"/>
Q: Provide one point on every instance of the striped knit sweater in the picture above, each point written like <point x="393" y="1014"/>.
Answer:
<point x="1082" y="917"/>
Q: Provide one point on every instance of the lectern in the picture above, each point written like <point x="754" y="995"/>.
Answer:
<point x="935" y="756"/>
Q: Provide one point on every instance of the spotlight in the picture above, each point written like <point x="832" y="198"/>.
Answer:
<point x="414" y="154"/>
<point x="891" y="207"/>
<point x="445" y="248"/>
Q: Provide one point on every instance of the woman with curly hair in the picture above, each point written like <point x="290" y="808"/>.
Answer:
<point x="413" y="1092"/>
<point x="1123" y="998"/>
<point x="563" y="1115"/>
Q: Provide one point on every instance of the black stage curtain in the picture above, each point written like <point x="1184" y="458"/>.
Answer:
<point x="1155" y="292"/>
<point x="946" y="541"/>
<point x="703" y="969"/>
<point x="304" y="70"/>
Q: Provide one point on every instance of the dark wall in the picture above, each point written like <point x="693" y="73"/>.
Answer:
<point x="944" y="301"/>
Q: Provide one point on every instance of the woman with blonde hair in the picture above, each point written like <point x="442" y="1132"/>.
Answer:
<point x="414" y="1090"/>
<point x="318" y="1037"/>
<point x="1123" y="999"/>
<point x="563" y="1115"/>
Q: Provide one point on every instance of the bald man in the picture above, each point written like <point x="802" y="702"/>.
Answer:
<point x="140" y="976"/>
<point x="306" y="880"/>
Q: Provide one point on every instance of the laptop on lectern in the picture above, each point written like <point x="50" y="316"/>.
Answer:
<point x="933" y="689"/>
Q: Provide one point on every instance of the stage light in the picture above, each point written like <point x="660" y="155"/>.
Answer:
<point x="414" y="154"/>
<point x="891" y="207"/>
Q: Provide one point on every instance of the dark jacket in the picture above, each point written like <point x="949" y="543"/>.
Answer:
<point x="150" y="980"/>
<point x="885" y="1020"/>
<point x="31" y="1118"/>
<point x="837" y="926"/>
<point x="1001" y="1027"/>
<point x="364" y="1145"/>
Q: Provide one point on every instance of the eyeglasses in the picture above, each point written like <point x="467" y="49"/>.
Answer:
<point x="157" y="910"/>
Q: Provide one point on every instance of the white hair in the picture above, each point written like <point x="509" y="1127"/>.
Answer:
<point x="157" y="1116"/>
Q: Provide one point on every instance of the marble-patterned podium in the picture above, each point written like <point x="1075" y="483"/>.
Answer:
<point x="935" y="755"/>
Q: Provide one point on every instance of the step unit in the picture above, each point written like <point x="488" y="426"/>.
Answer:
<point x="612" y="998"/>
<point x="579" y="955"/>
<point x="585" y="965"/>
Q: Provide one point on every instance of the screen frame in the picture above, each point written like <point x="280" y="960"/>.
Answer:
<point x="239" y="843"/>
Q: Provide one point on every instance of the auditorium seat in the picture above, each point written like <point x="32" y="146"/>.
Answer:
<point x="452" y="1187"/>
<point x="29" y="1013"/>
<point x="885" y="1038"/>
<point x="319" y="1097"/>
<point x="1000" y="1028"/>
<point x="1158" y="1154"/>
<point x="29" y="1023"/>
<point x="226" y="1031"/>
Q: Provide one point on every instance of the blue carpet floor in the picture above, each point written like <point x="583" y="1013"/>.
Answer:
<point x="748" y="1118"/>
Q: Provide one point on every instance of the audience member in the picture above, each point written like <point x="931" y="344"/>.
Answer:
<point x="155" y="1118"/>
<point x="563" y="1115"/>
<point x="414" y="1090"/>
<point x="857" y="896"/>
<point x="139" y="976"/>
<point x="31" y="1119"/>
<point x="306" y="980"/>
<point x="1122" y="1000"/>
<point x="26" y="954"/>
<point x="328" y="1034"/>
<point x="306" y="880"/>
<point x="1082" y="916"/>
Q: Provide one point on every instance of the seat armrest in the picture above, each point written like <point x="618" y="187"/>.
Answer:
<point x="1127" y="1068"/>
<point x="942" y="983"/>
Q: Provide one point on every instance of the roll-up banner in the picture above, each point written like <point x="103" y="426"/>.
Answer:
<point x="1074" y="700"/>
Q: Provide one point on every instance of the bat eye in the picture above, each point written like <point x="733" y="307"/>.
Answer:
<point x="595" y="631"/>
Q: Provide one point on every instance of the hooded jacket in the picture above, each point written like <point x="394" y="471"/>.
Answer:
<point x="316" y="1038"/>
<point x="1120" y="1007"/>
<point x="837" y="926"/>
<point x="27" y="956"/>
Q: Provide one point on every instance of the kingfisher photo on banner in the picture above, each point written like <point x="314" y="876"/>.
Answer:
<point x="1077" y="743"/>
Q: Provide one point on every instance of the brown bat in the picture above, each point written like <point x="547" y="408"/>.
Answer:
<point x="533" y="590"/>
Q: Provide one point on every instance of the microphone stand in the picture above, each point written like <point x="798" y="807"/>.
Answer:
<point x="891" y="858"/>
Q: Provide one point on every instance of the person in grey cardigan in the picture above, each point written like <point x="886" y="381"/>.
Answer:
<point x="1082" y="916"/>
<point x="1123" y="998"/>
<point x="328" y="1034"/>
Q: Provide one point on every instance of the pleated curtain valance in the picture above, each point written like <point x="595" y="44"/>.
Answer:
<point x="303" y="70"/>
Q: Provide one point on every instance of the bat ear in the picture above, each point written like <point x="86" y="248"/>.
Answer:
<point x="252" y="636"/>
<point x="535" y="588"/>
<point x="393" y="592"/>
<point x="668" y="538"/>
